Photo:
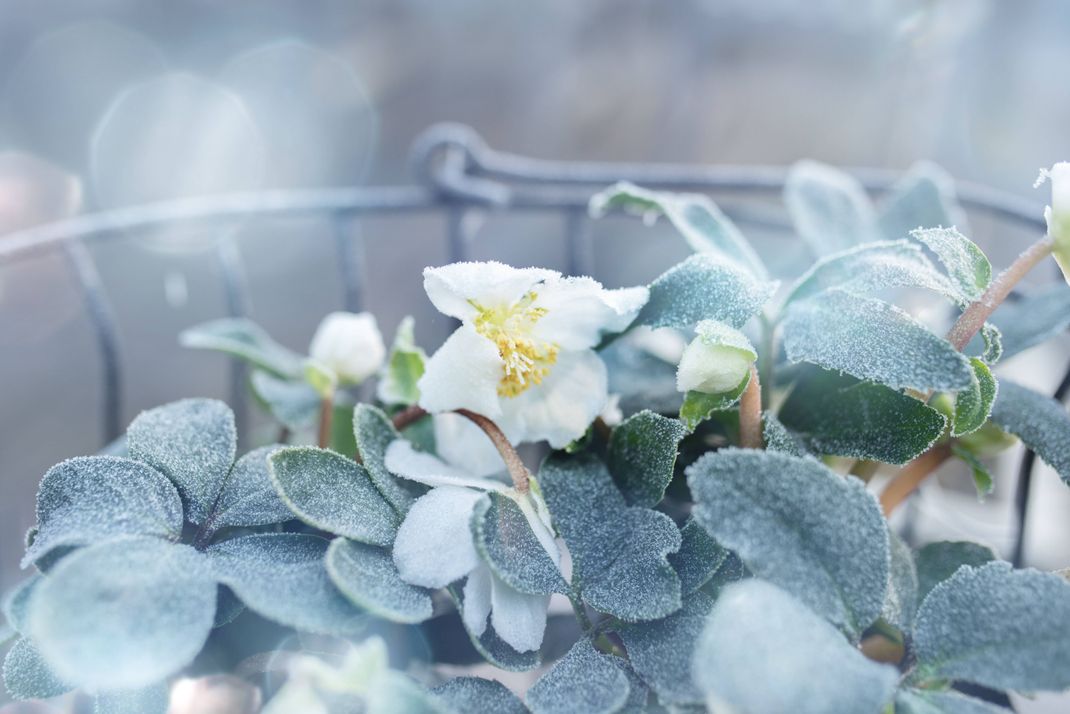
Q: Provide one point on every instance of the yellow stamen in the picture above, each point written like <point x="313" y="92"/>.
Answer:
<point x="527" y="358"/>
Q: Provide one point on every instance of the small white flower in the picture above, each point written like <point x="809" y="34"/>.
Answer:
<point x="434" y="545"/>
<point x="523" y="355"/>
<point x="350" y="345"/>
<point x="716" y="361"/>
<point x="1058" y="213"/>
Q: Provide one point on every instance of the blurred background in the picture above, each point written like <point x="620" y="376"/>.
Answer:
<point x="113" y="103"/>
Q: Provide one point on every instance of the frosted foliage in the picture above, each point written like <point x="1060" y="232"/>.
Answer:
<point x="698" y="559"/>
<point x="584" y="680"/>
<point x="997" y="627"/>
<point x="764" y="652"/>
<point x="472" y="694"/>
<point x="924" y="197"/>
<point x="294" y="404"/>
<point x="1037" y="317"/>
<point x="492" y="647"/>
<point x="245" y="339"/>
<point x="699" y="406"/>
<point x="1042" y="423"/>
<point x="619" y="554"/>
<point x="818" y="535"/>
<point x="778" y="438"/>
<point x="333" y="493"/>
<point x="124" y="613"/>
<point x="936" y="562"/>
<point x="28" y="676"/>
<point x="367" y="576"/>
<point x="91" y="498"/>
<point x="192" y="442"/>
<point x="661" y="651"/>
<point x="249" y="497"/>
<point x="638" y="692"/>
<point x="871" y="339"/>
<point x="17" y="602"/>
<point x="642" y="380"/>
<point x="282" y="577"/>
<point x="918" y="701"/>
<point x="973" y="405"/>
<point x="701" y="288"/>
<point x="965" y="263"/>
<point x="829" y="208"/>
<point x="641" y="456"/>
<point x="902" y="598"/>
<point x="506" y="542"/>
<point x="374" y="432"/>
<point x="150" y="700"/>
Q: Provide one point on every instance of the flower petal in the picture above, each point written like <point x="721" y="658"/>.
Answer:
<point x="453" y="288"/>
<point x="536" y="514"/>
<point x="579" y="311"/>
<point x="434" y="546"/>
<point x="519" y="619"/>
<point x="405" y="461"/>
<point x="476" y="606"/>
<point x="463" y="374"/>
<point x="464" y="445"/>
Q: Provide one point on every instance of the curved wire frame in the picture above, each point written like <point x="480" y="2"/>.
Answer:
<point x="456" y="173"/>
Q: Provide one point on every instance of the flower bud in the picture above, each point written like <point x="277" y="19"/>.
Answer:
<point x="716" y="361"/>
<point x="1058" y="213"/>
<point x="350" y="345"/>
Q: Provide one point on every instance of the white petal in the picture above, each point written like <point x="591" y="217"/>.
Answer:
<point x="476" y="605"/>
<point x="716" y="361"/>
<point x="535" y="513"/>
<point x="563" y="406"/>
<point x="579" y="311"/>
<point x="434" y="546"/>
<point x="350" y="345"/>
<point x="453" y="288"/>
<point x="519" y="619"/>
<point x="463" y="374"/>
<point x="464" y="445"/>
<point x="405" y="461"/>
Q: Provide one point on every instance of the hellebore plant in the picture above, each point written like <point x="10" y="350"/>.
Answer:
<point x="719" y="452"/>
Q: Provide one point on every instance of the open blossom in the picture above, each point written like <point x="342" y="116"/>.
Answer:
<point x="1058" y="213"/>
<point x="523" y="355"/>
<point x="434" y="545"/>
<point x="716" y="361"/>
<point x="350" y="345"/>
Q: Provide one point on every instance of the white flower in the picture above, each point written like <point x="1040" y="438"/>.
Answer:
<point x="523" y="355"/>
<point x="716" y="361"/>
<point x="350" y="345"/>
<point x="1058" y="213"/>
<point x="434" y="545"/>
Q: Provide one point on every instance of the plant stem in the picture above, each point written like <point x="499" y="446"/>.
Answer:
<point x="911" y="476"/>
<point x="517" y="470"/>
<point x="408" y="415"/>
<point x="750" y="414"/>
<point x="581" y="613"/>
<point x="323" y="438"/>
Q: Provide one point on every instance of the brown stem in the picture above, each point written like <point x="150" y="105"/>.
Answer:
<point x="323" y="438"/>
<point x="750" y="414"/>
<point x="517" y="470"/>
<point x="408" y="415"/>
<point x="911" y="476"/>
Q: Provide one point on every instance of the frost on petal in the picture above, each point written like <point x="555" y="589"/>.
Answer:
<point x="434" y="544"/>
<point x="477" y="594"/>
<point x="453" y="288"/>
<point x="519" y="619"/>
<point x="405" y="461"/>
<point x="579" y="311"/>
<point x="463" y="374"/>
<point x="462" y="444"/>
<point x="561" y="408"/>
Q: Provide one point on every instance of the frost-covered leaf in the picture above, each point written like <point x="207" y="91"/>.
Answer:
<point x="366" y="574"/>
<point x="91" y="498"/>
<point x="829" y="208"/>
<point x="997" y="627"/>
<point x="374" y="432"/>
<point x="764" y="652"/>
<point x="584" y="680"/>
<point x="619" y="553"/>
<point x="921" y="701"/>
<point x="778" y="438"/>
<point x="333" y="493"/>
<point x="1034" y="319"/>
<point x="28" y="676"/>
<point x="818" y="535"/>
<point x="638" y="692"/>
<point x="699" y="406"/>
<point x="925" y="196"/>
<point x="698" y="559"/>
<point x="475" y="694"/>
<point x="974" y="404"/>
<point x="1042" y="423"/>
<point x="966" y="264"/>
<point x="124" y="613"/>
<point x="227" y="607"/>
<point x="245" y="339"/>
<point x="982" y="479"/>
<point x="17" y="601"/>
<point x="661" y="651"/>
<point x="992" y="339"/>
<point x="839" y="415"/>
<point x="282" y="576"/>
<point x="192" y="442"/>
<point x="643" y="380"/>
<point x="902" y="598"/>
<point x="249" y="497"/>
<point x="403" y="369"/>
<point x="698" y="219"/>
<point x="293" y="403"/>
<point x="491" y="646"/>
<point x="874" y="340"/>
<point x="154" y="699"/>
<point x="936" y="562"/>
<point x="641" y="455"/>
<point x="701" y="288"/>
<point x="507" y="544"/>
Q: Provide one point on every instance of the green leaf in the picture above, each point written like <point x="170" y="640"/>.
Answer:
<point x="292" y="403"/>
<point x="192" y="442"/>
<point x="92" y="498"/>
<point x="701" y="288"/>
<point x="997" y="627"/>
<point x="873" y="340"/>
<point x="249" y="497"/>
<point x="699" y="406"/>
<point x="764" y="652"/>
<point x="367" y="576"/>
<point x="404" y="367"/>
<point x="778" y="438"/>
<point x="507" y="544"/>
<point x="28" y="676"/>
<point x="619" y="553"/>
<point x="698" y="559"/>
<point x="282" y="576"/>
<point x="829" y="208"/>
<point x="786" y="517"/>
<point x="966" y="264"/>
<point x="902" y="598"/>
<point x="936" y="562"/>
<point x="584" y="680"/>
<point x="974" y="405"/>
<point x="124" y="613"/>
<point x="982" y="479"/>
<point x="641" y="456"/>
<point x="154" y="699"/>
<point x="1039" y="421"/>
<point x="698" y="219"/>
<point x="245" y="339"/>
<point x="341" y="440"/>
<point x="330" y="492"/>
<point x="374" y="432"/>
<point x="992" y="339"/>
<point x="925" y="196"/>
<point x="491" y="646"/>
<point x="839" y="415"/>
<point x="920" y="701"/>
<point x="474" y="694"/>
<point x="1033" y="319"/>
